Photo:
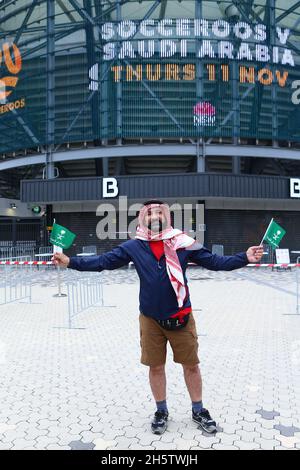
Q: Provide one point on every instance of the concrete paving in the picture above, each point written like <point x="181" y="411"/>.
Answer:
<point x="85" y="388"/>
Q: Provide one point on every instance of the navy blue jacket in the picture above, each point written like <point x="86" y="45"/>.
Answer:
<point x="157" y="296"/>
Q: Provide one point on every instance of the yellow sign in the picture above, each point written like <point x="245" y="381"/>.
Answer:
<point x="187" y="72"/>
<point x="14" y="67"/>
<point x="10" y="68"/>
<point x="18" y="104"/>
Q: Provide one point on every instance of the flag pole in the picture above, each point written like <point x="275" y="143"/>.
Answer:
<point x="57" y="249"/>
<point x="54" y="247"/>
<point x="266" y="232"/>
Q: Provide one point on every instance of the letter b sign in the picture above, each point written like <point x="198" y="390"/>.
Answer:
<point x="110" y="187"/>
<point x="295" y="187"/>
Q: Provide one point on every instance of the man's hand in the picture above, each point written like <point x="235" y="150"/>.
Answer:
<point x="61" y="260"/>
<point x="255" y="254"/>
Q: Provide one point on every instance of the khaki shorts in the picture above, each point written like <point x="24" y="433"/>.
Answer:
<point x="154" y="338"/>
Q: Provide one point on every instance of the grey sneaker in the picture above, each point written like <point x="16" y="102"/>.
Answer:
<point x="205" y="421"/>
<point x="160" y="422"/>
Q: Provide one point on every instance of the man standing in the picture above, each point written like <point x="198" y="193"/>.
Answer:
<point x="161" y="254"/>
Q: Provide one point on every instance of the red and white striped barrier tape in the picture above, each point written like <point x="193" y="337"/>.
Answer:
<point x="25" y="263"/>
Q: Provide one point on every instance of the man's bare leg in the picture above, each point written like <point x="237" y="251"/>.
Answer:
<point x="193" y="380"/>
<point x="158" y="382"/>
<point x="201" y="416"/>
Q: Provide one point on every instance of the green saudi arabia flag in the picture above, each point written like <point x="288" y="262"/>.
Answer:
<point x="274" y="234"/>
<point x="61" y="236"/>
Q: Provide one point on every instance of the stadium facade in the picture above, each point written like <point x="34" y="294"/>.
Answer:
<point x="191" y="101"/>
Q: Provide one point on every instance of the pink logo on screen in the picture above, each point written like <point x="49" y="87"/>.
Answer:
<point x="204" y="114"/>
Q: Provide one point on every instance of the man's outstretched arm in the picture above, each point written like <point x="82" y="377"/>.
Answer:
<point x="113" y="259"/>
<point x="205" y="258"/>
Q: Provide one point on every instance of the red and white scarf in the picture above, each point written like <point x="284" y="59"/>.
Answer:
<point x="173" y="239"/>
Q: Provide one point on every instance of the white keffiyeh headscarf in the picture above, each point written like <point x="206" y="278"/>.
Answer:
<point x="173" y="240"/>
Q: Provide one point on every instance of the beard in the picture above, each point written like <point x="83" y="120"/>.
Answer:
<point x="157" y="226"/>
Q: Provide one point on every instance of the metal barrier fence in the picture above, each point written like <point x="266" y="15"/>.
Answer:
<point x="90" y="249"/>
<point x="5" y="252"/>
<point x="84" y="290"/>
<point x="6" y="243"/>
<point x="15" y="253"/>
<point x="45" y="253"/>
<point x="26" y="243"/>
<point x="269" y="254"/>
<point x="24" y="251"/>
<point x="218" y="250"/>
<point x="84" y="293"/>
<point x="14" y="287"/>
<point x="19" y="252"/>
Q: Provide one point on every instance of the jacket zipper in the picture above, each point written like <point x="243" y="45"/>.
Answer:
<point x="158" y="261"/>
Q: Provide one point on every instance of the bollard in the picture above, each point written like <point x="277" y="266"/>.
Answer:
<point x="59" y="294"/>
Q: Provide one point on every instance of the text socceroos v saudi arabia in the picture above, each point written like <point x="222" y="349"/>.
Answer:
<point x="252" y="38"/>
<point x="190" y="39"/>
